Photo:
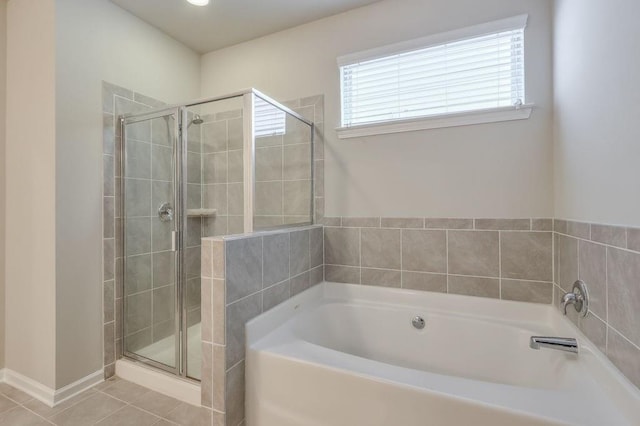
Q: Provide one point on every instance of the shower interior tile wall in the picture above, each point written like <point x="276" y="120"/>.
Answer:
<point x="311" y="108"/>
<point x="219" y="158"/>
<point x="150" y="290"/>
<point x="284" y="169"/>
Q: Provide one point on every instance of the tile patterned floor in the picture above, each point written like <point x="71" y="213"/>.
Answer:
<point x="114" y="402"/>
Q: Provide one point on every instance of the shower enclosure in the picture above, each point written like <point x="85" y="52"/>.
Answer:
<point x="220" y="166"/>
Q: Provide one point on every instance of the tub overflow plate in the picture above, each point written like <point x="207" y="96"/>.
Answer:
<point x="418" y="322"/>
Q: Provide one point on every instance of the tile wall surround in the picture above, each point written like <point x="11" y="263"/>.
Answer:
<point x="217" y="172"/>
<point x="509" y="259"/>
<point x="283" y="171"/>
<point x="311" y="108"/>
<point x="243" y="276"/>
<point x="534" y="260"/>
<point x="607" y="259"/>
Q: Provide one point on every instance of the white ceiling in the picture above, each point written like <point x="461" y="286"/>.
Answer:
<point x="227" y="22"/>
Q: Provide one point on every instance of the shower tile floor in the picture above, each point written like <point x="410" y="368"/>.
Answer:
<point x="113" y="402"/>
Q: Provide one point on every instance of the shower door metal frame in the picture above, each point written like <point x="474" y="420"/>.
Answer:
<point x="177" y="235"/>
<point x="181" y="297"/>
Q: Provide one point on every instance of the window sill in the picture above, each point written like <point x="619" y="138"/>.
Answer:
<point x="492" y="115"/>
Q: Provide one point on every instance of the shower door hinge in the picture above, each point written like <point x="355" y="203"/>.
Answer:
<point x="174" y="240"/>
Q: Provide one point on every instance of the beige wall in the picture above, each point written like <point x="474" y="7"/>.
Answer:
<point x="491" y="170"/>
<point x="3" y="111"/>
<point x="97" y="41"/>
<point x="597" y="105"/>
<point x="30" y="190"/>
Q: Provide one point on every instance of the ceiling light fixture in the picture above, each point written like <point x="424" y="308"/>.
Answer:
<point x="199" y="2"/>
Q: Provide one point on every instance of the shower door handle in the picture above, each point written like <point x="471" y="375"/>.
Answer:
<point x="174" y="240"/>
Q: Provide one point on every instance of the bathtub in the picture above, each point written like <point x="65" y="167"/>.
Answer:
<point x="341" y="354"/>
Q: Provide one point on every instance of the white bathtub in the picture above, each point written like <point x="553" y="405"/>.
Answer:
<point x="342" y="354"/>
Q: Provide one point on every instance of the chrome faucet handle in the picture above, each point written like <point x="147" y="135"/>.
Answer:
<point x="165" y="212"/>
<point x="579" y="298"/>
<point x="568" y="299"/>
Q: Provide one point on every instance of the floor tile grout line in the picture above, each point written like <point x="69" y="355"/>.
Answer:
<point x="105" y="417"/>
<point x="168" y="421"/>
<point x="178" y="406"/>
<point x="130" y="404"/>
<point x="26" y="408"/>
<point x="102" y="391"/>
<point x="89" y="394"/>
<point x="15" y="400"/>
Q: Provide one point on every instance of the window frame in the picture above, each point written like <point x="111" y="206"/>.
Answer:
<point x="479" y="116"/>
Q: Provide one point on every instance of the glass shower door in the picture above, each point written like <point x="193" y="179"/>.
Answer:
<point x="151" y="221"/>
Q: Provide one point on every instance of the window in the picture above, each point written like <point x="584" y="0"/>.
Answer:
<point x="477" y="69"/>
<point x="269" y="120"/>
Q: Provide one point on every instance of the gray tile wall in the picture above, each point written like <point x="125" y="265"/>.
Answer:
<point x="509" y="259"/>
<point x="243" y="276"/>
<point x="607" y="259"/>
<point x="284" y="169"/>
<point x="149" y="283"/>
<point x="222" y="174"/>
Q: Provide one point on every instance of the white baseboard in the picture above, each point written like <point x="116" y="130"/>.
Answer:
<point x="29" y="386"/>
<point x="79" y="386"/>
<point x="44" y="393"/>
<point x="158" y="381"/>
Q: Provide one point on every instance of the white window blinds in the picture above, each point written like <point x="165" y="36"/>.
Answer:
<point x="268" y="119"/>
<point x="468" y="74"/>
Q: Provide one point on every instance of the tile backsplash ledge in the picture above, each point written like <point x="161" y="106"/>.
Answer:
<point x="493" y="224"/>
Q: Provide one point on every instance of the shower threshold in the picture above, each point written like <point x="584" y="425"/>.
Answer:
<point x="160" y="381"/>
<point x="163" y="351"/>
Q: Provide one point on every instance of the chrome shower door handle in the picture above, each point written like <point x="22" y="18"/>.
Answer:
<point x="165" y="212"/>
